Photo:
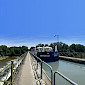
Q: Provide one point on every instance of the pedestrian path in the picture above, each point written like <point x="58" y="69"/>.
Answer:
<point x="26" y="76"/>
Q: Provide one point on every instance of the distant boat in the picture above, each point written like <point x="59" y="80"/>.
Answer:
<point x="46" y="54"/>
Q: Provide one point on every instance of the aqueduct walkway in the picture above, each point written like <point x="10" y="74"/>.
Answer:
<point x="25" y="76"/>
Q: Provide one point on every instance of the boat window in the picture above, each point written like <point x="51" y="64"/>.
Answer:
<point x="44" y="49"/>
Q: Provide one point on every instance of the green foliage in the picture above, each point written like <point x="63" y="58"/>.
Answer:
<point x="40" y="45"/>
<point x="46" y="45"/>
<point x="62" y="47"/>
<point x="74" y="50"/>
<point x="77" y="48"/>
<point x="12" y="51"/>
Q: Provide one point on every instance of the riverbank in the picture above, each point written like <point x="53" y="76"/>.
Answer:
<point x="3" y="61"/>
<point x="7" y="57"/>
<point x="71" y="59"/>
<point x="2" y="58"/>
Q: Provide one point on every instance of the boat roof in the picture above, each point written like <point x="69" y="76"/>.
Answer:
<point x="48" y="47"/>
<point x="39" y="47"/>
<point x="44" y="47"/>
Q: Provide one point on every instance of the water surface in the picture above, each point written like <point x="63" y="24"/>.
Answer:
<point x="74" y="71"/>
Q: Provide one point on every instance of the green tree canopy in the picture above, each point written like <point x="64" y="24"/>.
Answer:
<point x="12" y="51"/>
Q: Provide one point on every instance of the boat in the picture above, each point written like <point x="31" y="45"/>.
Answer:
<point x="46" y="54"/>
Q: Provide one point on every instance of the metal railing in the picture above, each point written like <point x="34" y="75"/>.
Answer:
<point x="41" y="65"/>
<point x="67" y="79"/>
<point x="52" y="73"/>
<point x="8" y="72"/>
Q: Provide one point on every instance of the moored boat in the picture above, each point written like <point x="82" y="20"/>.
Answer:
<point x="47" y="54"/>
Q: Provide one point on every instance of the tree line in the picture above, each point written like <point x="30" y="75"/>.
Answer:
<point x="12" y="51"/>
<point x="73" y="50"/>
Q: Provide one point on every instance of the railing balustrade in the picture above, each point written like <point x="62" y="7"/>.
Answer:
<point x="9" y="71"/>
<point x="52" y="78"/>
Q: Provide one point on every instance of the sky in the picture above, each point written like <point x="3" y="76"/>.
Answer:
<point x="30" y="22"/>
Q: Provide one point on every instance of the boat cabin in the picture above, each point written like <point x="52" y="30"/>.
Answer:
<point x="44" y="49"/>
<point x="46" y="53"/>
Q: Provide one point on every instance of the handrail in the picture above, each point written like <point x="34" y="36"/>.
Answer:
<point x="45" y="64"/>
<point x="10" y="69"/>
<point x="67" y="79"/>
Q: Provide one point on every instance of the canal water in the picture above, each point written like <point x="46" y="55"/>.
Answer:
<point x="74" y="71"/>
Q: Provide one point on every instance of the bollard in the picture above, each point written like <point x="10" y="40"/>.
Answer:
<point x="11" y="72"/>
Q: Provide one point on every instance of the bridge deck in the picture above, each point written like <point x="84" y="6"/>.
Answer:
<point x="25" y="76"/>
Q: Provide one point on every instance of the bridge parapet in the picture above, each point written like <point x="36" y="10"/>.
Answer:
<point x="8" y="72"/>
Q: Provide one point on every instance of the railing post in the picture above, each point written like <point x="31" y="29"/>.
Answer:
<point x="41" y="70"/>
<point x="51" y="77"/>
<point x="41" y="63"/>
<point x="37" y="62"/>
<point x="54" y="78"/>
<point x="11" y="72"/>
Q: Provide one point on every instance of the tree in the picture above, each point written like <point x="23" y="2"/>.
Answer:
<point x="40" y="45"/>
<point x="24" y="49"/>
<point x="12" y="51"/>
<point x="3" y="49"/>
<point x="73" y="47"/>
<point x="46" y="45"/>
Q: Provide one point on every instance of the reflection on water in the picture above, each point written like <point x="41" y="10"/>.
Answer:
<point x="74" y="71"/>
<point x="55" y="65"/>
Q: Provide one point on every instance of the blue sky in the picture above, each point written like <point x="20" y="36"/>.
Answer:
<point x="29" y="22"/>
